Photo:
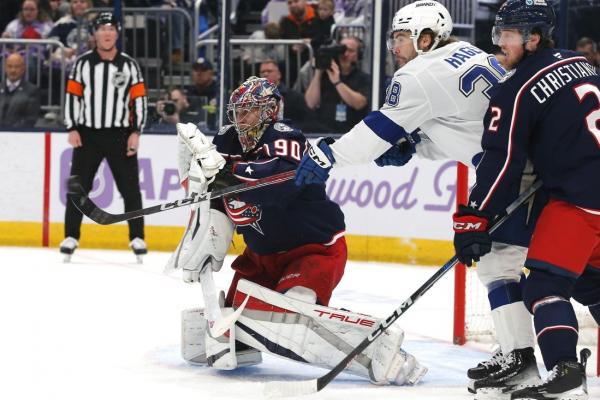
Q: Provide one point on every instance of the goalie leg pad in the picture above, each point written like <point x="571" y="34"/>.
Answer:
<point x="391" y="364"/>
<point x="321" y="336"/>
<point x="193" y="331"/>
<point x="199" y="348"/>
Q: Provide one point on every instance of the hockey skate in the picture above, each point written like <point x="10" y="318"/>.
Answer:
<point x="484" y="369"/>
<point x="518" y="369"/>
<point x="566" y="381"/>
<point x="139" y="249"/>
<point x="67" y="248"/>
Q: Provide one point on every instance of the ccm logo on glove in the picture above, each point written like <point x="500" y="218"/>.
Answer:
<point x="466" y="224"/>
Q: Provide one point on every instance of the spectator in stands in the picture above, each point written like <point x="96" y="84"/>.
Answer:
<point x="340" y="94"/>
<point x="256" y="53"/>
<point x="19" y="99"/>
<point x="55" y="9"/>
<point x="65" y="30"/>
<point x="298" y="24"/>
<point x="102" y="3"/>
<point x="323" y="24"/>
<point x="202" y="94"/>
<point x="203" y="79"/>
<point x="589" y="49"/>
<point x="31" y="23"/>
<point x="292" y="104"/>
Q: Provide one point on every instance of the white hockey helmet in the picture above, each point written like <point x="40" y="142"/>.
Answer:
<point x="420" y="15"/>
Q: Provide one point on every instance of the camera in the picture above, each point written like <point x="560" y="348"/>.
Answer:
<point x="326" y="53"/>
<point x="169" y="108"/>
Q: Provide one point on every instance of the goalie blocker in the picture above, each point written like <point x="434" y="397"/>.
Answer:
<point x="301" y="331"/>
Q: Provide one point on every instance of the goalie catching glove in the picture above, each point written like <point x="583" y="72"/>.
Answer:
<point x="194" y="145"/>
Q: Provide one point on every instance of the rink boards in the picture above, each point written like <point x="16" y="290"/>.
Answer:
<point x="392" y="214"/>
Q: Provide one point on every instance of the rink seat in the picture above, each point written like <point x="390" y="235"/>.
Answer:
<point x="392" y="214"/>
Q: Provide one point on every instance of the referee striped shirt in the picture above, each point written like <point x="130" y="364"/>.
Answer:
<point x="106" y="94"/>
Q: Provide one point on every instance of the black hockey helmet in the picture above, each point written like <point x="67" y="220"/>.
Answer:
<point x="106" y="18"/>
<point x="526" y="16"/>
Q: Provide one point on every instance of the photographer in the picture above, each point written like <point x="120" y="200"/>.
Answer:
<point x="339" y="90"/>
<point x="175" y="109"/>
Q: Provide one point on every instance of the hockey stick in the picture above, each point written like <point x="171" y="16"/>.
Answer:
<point x="84" y="204"/>
<point x="217" y="323"/>
<point x="297" y="388"/>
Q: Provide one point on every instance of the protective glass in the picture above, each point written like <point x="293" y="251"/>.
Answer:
<point x="509" y="36"/>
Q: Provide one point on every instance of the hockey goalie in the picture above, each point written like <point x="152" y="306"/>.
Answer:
<point x="294" y="257"/>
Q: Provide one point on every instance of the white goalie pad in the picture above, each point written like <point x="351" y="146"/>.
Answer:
<point x="277" y="324"/>
<point x="204" y="244"/>
<point x="199" y="348"/>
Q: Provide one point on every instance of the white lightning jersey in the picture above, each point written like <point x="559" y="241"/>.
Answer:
<point x="444" y="93"/>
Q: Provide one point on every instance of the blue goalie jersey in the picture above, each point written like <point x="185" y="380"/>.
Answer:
<point x="547" y="110"/>
<point x="282" y="216"/>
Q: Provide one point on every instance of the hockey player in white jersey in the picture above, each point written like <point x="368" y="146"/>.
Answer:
<point x="434" y="107"/>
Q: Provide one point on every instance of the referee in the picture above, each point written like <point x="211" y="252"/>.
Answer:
<point x="105" y="112"/>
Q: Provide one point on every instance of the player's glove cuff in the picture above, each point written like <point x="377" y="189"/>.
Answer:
<point x="471" y="237"/>
<point x="468" y="219"/>
<point x="316" y="163"/>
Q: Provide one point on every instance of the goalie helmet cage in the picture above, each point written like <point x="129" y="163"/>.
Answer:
<point x="472" y="319"/>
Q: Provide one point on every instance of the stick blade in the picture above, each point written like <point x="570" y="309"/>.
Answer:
<point x="77" y="194"/>
<point x="278" y="389"/>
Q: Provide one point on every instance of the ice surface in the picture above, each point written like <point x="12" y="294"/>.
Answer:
<point x="105" y="327"/>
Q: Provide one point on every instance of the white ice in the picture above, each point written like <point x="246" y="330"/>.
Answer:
<point x="104" y="327"/>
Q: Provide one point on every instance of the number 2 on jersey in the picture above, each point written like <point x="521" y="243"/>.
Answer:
<point x="592" y="119"/>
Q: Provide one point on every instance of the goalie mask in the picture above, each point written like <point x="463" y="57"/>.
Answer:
<point x="418" y="16"/>
<point x="251" y="108"/>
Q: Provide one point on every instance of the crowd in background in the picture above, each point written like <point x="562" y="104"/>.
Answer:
<point x="329" y="92"/>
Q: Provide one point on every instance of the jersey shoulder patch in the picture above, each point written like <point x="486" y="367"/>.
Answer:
<point x="281" y="127"/>
<point x="224" y="129"/>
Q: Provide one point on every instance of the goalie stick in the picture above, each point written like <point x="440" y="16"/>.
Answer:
<point x="84" y="204"/>
<point x="297" y="388"/>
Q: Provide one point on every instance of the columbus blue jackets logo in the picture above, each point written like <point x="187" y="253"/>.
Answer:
<point x="243" y="214"/>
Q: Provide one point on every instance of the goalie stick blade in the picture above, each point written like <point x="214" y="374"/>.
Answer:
<point x="222" y="325"/>
<point x="278" y="389"/>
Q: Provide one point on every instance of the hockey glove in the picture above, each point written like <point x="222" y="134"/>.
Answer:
<point x="316" y="163"/>
<point x="471" y="237"/>
<point x="400" y="153"/>
<point x="193" y="144"/>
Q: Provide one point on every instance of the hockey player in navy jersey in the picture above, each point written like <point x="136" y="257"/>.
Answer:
<point x="434" y="107"/>
<point x="294" y="257"/>
<point x="547" y="110"/>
